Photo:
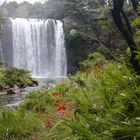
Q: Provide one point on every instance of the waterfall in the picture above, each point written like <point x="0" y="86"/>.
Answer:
<point x="1" y="54"/>
<point x="38" y="45"/>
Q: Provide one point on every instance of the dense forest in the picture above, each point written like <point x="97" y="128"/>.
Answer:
<point x="100" y="97"/>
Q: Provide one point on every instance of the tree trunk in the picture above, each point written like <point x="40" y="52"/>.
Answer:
<point x="125" y="29"/>
<point x="135" y="4"/>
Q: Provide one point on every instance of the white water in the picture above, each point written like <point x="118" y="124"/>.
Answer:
<point x="38" y="45"/>
<point x="1" y="52"/>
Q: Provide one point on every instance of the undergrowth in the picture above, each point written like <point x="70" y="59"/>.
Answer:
<point x="100" y="102"/>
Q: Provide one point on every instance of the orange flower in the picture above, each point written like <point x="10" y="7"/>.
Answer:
<point x="48" y="120"/>
<point x="98" y="67"/>
<point x="67" y="106"/>
<point x="62" y="94"/>
<point x="60" y="107"/>
<point x="65" y="114"/>
<point x="54" y="94"/>
<point x="55" y="102"/>
<point x="63" y="100"/>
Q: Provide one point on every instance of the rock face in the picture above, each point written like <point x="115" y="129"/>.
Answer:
<point x="78" y="46"/>
<point x="6" y="42"/>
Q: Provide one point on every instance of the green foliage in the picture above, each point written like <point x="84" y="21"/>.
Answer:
<point x="36" y="101"/>
<point x="109" y="107"/>
<point x="105" y="102"/>
<point x="111" y="38"/>
<point x="2" y="75"/>
<point x="95" y="59"/>
<point x="24" y="10"/>
<point x="17" y="124"/>
<point x="10" y="76"/>
<point x="106" y="106"/>
<point x="105" y="95"/>
<point x="3" y="64"/>
<point x="138" y="56"/>
<point x="136" y="26"/>
<point x="19" y="77"/>
<point x="61" y="132"/>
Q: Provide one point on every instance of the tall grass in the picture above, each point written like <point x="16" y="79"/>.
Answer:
<point x="107" y="104"/>
<point x="17" y="125"/>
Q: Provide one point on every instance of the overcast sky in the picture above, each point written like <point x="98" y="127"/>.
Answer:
<point x="19" y="1"/>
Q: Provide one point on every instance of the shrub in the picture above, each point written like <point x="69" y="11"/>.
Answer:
<point x="95" y="59"/>
<point x="19" y="77"/>
<point x="107" y="106"/>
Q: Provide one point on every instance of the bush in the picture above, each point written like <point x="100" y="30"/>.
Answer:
<point x="108" y="106"/>
<point x="19" y="77"/>
<point x="95" y="59"/>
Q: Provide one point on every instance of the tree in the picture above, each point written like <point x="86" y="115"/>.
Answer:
<point x="123" y="24"/>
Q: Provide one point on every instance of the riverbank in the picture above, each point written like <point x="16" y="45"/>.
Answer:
<point x="17" y="95"/>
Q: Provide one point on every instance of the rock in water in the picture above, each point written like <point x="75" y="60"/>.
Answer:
<point x="13" y="91"/>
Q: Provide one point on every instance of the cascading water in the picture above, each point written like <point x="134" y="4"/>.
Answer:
<point x="38" y="45"/>
<point x="1" y="53"/>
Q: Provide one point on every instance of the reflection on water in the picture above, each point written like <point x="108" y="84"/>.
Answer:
<point x="10" y="99"/>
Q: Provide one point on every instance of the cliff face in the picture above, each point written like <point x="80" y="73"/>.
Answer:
<point x="78" y="44"/>
<point x="6" y="41"/>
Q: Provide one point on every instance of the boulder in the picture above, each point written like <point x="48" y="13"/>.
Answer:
<point x="13" y="91"/>
<point x="7" y="87"/>
<point x="35" y="83"/>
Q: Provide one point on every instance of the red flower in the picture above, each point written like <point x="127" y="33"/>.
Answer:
<point x="55" y="102"/>
<point x="54" y="94"/>
<point x="60" y="107"/>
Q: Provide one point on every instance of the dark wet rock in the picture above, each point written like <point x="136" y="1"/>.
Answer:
<point x="35" y="83"/>
<point x="13" y="91"/>
<point x="22" y="90"/>
<point x="7" y="87"/>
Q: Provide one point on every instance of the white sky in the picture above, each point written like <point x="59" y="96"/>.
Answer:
<point x="20" y="1"/>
